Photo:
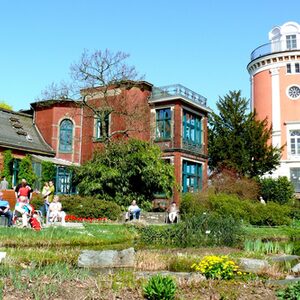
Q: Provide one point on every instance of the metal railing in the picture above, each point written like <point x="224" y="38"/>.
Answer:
<point x="275" y="47"/>
<point x="177" y="90"/>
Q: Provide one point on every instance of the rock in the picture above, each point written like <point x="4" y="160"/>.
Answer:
<point x="253" y="265"/>
<point x="296" y="268"/>
<point x="290" y="277"/>
<point x="107" y="259"/>
<point x="283" y="258"/>
<point x="2" y="256"/>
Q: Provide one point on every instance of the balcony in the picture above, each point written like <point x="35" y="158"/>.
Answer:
<point x="177" y="91"/>
<point x="275" y="47"/>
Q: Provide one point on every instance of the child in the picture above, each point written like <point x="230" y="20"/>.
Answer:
<point x="23" y="207"/>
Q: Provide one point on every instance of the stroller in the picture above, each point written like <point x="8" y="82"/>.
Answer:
<point x="34" y="218"/>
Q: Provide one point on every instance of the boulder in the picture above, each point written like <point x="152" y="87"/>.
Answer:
<point x="107" y="259"/>
<point x="253" y="265"/>
<point x="2" y="256"/>
<point x="284" y="258"/>
<point x="296" y="268"/>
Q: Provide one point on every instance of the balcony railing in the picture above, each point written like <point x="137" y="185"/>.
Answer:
<point x="177" y="90"/>
<point x="274" y="47"/>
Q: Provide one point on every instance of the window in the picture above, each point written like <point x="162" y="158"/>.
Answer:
<point x="163" y="124"/>
<point x="288" y="68"/>
<point x="295" y="178"/>
<point x="191" y="129"/>
<point x="297" y="68"/>
<point x="64" y="181"/>
<point x="293" y="92"/>
<point x="66" y="136"/>
<point x="295" y="142"/>
<point x="291" y="42"/>
<point x="191" y="176"/>
<point x="101" y="130"/>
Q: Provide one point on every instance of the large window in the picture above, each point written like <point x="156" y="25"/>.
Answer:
<point x="101" y="130"/>
<point x="295" y="178"/>
<point x="295" y="142"/>
<point x="291" y="42"/>
<point x="163" y="124"/>
<point x="191" y="176"/>
<point x="66" y="136"/>
<point x="64" y="181"/>
<point x="191" y="129"/>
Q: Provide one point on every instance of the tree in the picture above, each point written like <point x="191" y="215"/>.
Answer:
<point x="48" y="171"/>
<point x="26" y="170"/>
<point x="238" y="140"/>
<point x="126" y="170"/>
<point x="6" y="106"/>
<point x="101" y="80"/>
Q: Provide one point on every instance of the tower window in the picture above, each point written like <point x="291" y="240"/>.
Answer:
<point x="295" y="142"/>
<point x="288" y="68"/>
<point x="291" y="42"/>
<point x="66" y="136"/>
<point x="294" y="92"/>
<point x="163" y="123"/>
<point x="297" y="68"/>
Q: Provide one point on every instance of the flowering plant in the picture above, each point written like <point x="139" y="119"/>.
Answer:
<point x="217" y="267"/>
<point x="72" y="218"/>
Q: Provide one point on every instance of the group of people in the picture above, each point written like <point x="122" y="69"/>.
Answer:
<point x="133" y="212"/>
<point x="52" y="208"/>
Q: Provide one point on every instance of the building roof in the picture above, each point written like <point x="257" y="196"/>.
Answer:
<point x="56" y="161"/>
<point x="19" y="132"/>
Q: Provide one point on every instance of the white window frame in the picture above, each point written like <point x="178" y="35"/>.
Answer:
<point x="291" y="127"/>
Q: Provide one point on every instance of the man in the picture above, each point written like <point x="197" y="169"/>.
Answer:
<point x="134" y="211"/>
<point x="5" y="210"/>
<point x="23" y="189"/>
<point x="3" y="184"/>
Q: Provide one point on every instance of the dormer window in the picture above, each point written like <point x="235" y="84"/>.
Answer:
<point x="291" y="42"/>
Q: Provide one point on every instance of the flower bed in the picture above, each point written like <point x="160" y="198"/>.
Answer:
<point x="72" y="218"/>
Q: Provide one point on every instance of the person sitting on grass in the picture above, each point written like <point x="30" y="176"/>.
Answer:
<point x="55" y="211"/>
<point x="133" y="211"/>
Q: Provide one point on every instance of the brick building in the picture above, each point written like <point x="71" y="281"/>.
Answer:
<point x="173" y="117"/>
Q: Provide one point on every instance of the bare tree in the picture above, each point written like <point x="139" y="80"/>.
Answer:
<point x="100" y="82"/>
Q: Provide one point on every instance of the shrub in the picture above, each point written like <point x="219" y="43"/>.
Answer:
<point x="7" y="166"/>
<point x="37" y="201"/>
<point x="291" y="292"/>
<point x="89" y="207"/>
<point x="242" y="187"/>
<point x="279" y="190"/>
<point x="26" y="170"/>
<point x="193" y="204"/>
<point x="217" y="267"/>
<point x="160" y="288"/>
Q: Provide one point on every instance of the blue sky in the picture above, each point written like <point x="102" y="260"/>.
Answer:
<point x="204" y="45"/>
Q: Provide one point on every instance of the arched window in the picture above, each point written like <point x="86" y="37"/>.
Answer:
<point x="65" y="135"/>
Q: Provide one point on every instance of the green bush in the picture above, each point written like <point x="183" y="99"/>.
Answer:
<point x="247" y="211"/>
<point x="279" y="190"/>
<point x="89" y="207"/>
<point x="26" y="170"/>
<point x="37" y="201"/>
<point x="291" y="292"/>
<point x="160" y="288"/>
<point x="208" y="229"/>
<point x="193" y="204"/>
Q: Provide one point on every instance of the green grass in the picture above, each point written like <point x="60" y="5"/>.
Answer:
<point x="272" y="233"/>
<point x="90" y="235"/>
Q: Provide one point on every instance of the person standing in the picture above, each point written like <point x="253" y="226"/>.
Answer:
<point x="23" y="189"/>
<point x="51" y="191"/>
<point x="3" y="184"/>
<point x="5" y="210"/>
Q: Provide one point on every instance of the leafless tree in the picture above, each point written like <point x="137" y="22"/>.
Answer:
<point x="99" y="82"/>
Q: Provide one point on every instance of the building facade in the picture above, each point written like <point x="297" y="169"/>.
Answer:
<point x="275" y="94"/>
<point x="173" y="117"/>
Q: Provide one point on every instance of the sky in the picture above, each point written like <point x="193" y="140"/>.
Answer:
<point x="203" y="45"/>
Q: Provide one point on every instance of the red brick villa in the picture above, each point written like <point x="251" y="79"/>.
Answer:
<point x="65" y="133"/>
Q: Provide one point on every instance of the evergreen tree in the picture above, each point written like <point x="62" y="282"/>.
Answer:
<point x="237" y="140"/>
